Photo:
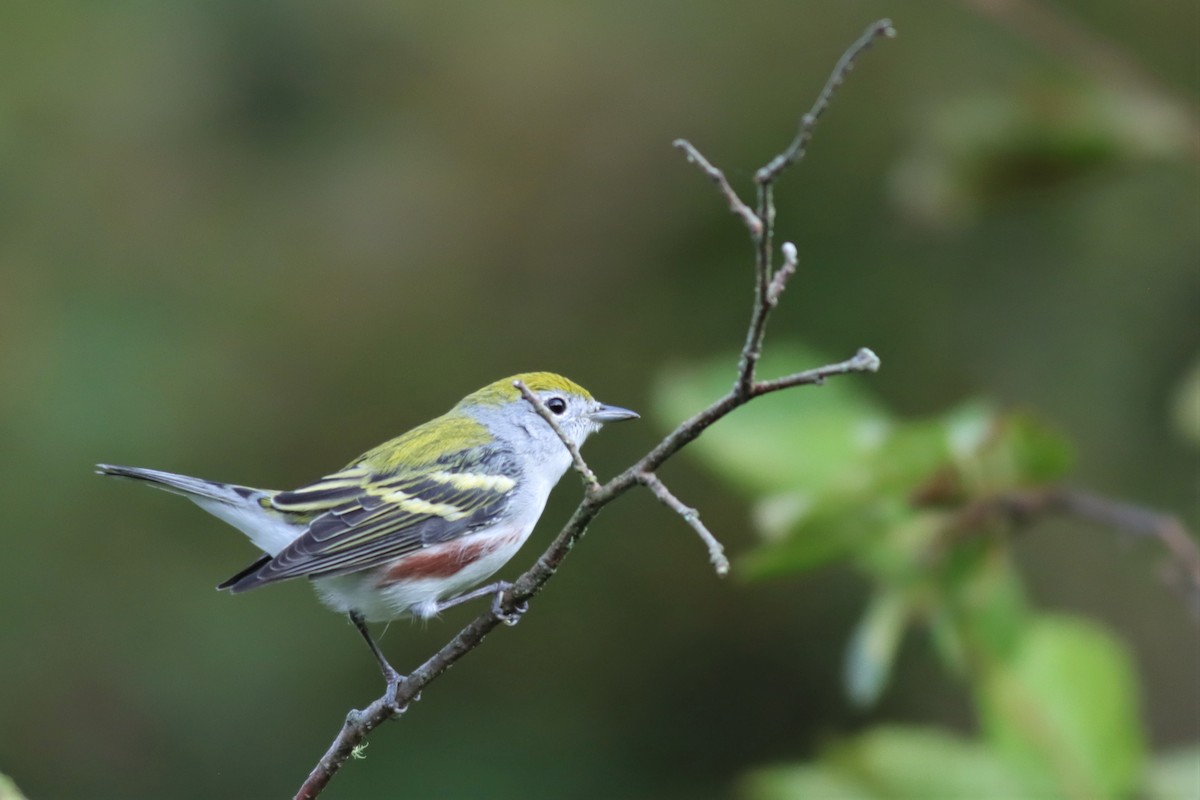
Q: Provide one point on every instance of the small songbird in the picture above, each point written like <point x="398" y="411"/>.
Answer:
<point x="408" y="527"/>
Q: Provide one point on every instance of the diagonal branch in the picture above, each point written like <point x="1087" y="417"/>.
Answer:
<point x="751" y="220"/>
<point x="359" y="724"/>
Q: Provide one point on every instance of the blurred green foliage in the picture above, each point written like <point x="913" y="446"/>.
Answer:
<point x="9" y="790"/>
<point x="249" y="240"/>
<point x="907" y="502"/>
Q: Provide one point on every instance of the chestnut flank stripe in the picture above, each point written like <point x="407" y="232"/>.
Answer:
<point x="441" y="561"/>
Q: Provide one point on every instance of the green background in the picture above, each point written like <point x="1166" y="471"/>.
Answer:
<point x="247" y="241"/>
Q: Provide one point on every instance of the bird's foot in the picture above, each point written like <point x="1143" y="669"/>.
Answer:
<point x="507" y="617"/>
<point x="496" y="590"/>
<point x="391" y="697"/>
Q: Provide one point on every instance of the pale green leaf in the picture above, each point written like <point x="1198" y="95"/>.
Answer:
<point x="811" y="437"/>
<point x="983" y="598"/>
<point x="1065" y="708"/>
<point x="804" y="782"/>
<point x="8" y="789"/>
<point x="837" y="529"/>
<point x="1185" y="410"/>
<point x="892" y="763"/>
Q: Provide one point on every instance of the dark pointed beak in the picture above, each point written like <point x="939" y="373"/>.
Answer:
<point x="612" y="414"/>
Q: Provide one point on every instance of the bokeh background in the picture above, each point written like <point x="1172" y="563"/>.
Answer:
<point x="249" y="240"/>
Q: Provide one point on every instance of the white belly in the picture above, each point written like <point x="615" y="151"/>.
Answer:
<point x="413" y="585"/>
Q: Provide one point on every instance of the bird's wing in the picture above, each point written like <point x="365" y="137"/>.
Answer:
<point x="362" y="517"/>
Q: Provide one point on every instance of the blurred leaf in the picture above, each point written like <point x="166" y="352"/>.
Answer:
<point x="1186" y="410"/>
<point x="8" y="789"/>
<point x="901" y="553"/>
<point x="802" y="782"/>
<point x="989" y="147"/>
<point x="893" y="762"/>
<point x="1025" y="452"/>
<point x="915" y="451"/>
<point x="874" y="644"/>
<point x="812" y="438"/>
<point x="982" y="599"/>
<point x="1065" y="708"/>
<point x="837" y="529"/>
<point x="834" y="443"/>
<point x="1174" y="775"/>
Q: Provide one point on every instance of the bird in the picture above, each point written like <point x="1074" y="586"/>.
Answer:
<point x="410" y="526"/>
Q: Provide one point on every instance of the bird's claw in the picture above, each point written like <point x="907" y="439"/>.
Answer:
<point x="394" y="681"/>
<point x="509" y="618"/>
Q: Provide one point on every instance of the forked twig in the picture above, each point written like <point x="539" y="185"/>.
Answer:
<point x="743" y="211"/>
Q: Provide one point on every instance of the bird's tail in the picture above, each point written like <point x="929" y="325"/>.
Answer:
<point x="247" y="509"/>
<point x="189" y="487"/>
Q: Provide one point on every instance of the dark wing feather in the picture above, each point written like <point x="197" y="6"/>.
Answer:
<point x="361" y="519"/>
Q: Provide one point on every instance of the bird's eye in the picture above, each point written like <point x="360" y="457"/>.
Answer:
<point x="556" y="405"/>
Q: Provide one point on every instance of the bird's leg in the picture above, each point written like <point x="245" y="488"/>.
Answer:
<point x="390" y="674"/>
<point x="496" y="590"/>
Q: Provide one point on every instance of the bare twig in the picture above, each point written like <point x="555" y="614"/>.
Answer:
<point x="864" y="360"/>
<point x="359" y="724"/>
<point x="765" y="179"/>
<point x="751" y="220"/>
<point x="716" y="553"/>
<point x="590" y="484"/>
<point x="796" y="150"/>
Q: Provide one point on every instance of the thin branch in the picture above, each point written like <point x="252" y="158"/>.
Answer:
<point x="1024" y="506"/>
<point x="864" y="360"/>
<point x="756" y="331"/>
<point x="1139" y="521"/>
<point x="716" y="552"/>
<point x="796" y="150"/>
<point x="740" y="209"/>
<point x="359" y="724"/>
<point x="590" y="484"/>
<point x="765" y="179"/>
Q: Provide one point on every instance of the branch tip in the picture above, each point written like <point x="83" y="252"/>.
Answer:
<point x="736" y="206"/>
<point x="795" y="151"/>
<point x="779" y="279"/>
<point x="864" y="360"/>
<point x="868" y="361"/>
<point x="716" y="551"/>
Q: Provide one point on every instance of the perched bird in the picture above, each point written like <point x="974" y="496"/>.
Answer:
<point x="408" y="527"/>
